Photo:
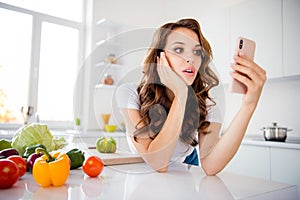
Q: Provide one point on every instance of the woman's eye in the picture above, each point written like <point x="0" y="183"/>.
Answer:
<point x="197" y="52"/>
<point x="178" y="50"/>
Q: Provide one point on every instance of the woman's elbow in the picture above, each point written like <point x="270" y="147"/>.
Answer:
<point x="210" y="169"/>
<point x="162" y="170"/>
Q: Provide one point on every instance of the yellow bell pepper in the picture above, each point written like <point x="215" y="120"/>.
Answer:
<point x="51" y="169"/>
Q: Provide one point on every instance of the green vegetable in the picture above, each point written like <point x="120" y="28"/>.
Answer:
<point x="106" y="145"/>
<point x="77" y="158"/>
<point x="4" y="144"/>
<point x="36" y="133"/>
<point x="31" y="149"/>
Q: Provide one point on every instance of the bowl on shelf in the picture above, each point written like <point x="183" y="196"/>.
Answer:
<point x="110" y="128"/>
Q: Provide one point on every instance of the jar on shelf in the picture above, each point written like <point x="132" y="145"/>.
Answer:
<point x="108" y="80"/>
<point x="111" y="58"/>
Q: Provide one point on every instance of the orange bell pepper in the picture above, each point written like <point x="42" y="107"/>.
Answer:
<point x="51" y="169"/>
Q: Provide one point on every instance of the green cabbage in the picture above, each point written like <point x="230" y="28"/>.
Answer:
<point x="106" y="145"/>
<point x="36" y="133"/>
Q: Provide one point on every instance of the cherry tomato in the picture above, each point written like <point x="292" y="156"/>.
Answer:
<point x="93" y="166"/>
<point x="9" y="173"/>
<point x="21" y="163"/>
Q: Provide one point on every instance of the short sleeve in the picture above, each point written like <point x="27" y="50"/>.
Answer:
<point x="127" y="96"/>
<point x="213" y="113"/>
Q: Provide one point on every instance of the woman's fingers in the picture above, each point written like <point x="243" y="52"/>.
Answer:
<point x="249" y="73"/>
<point x="163" y="60"/>
<point x="167" y="76"/>
<point x="249" y="66"/>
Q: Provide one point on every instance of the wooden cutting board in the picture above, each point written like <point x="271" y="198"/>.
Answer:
<point x="118" y="158"/>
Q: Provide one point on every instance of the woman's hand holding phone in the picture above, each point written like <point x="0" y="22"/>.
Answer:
<point x="248" y="73"/>
<point x="245" y="47"/>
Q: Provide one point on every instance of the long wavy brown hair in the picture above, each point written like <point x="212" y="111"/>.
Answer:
<point x="154" y="102"/>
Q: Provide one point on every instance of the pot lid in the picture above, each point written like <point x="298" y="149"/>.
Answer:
<point x="275" y="126"/>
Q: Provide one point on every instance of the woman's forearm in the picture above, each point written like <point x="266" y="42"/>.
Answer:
<point x="160" y="150"/>
<point x="229" y="143"/>
<point x="172" y="126"/>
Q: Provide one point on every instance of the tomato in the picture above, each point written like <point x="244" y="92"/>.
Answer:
<point x="9" y="173"/>
<point x="21" y="163"/>
<point x="93" y="166"/>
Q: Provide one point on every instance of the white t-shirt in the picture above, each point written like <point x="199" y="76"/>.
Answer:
<point x="127" y="97"/>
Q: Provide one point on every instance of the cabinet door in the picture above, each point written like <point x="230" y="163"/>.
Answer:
<point x="291" y="37"/>
<point x="251" y="161"/>
<point x="216" y="30"/>
<point x="285" y="166"/>
<point x="261" y="21"/>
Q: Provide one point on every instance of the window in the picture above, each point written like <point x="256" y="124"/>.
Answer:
<point x="15" y="51"/>
<point x="66" y="9"/>
<point x="39" y="60"/>
<point x="57" y="72"/>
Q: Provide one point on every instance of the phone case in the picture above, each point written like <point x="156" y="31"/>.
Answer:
<point x="247" y="47"/>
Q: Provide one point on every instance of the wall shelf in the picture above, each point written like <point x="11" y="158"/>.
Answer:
<point x="112" y="66"/>
<point x="103" y="86"/>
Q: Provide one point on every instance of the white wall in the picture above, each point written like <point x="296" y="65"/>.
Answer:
<point x="144" y="13"/>
<point x="279" y="103"/>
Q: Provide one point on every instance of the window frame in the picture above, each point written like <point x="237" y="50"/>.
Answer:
<point x="37" y="20"/>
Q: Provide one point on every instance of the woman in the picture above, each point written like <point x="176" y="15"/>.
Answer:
<point x="170" y="112"/>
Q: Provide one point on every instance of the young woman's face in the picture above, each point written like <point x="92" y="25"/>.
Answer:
<point x="183" y="52"/>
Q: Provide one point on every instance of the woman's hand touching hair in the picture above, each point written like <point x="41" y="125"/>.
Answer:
<point x="168" y="77"/>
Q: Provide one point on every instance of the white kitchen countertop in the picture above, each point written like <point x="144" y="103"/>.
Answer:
<point x="138" y="181"/>
<point x="291" y="142"/>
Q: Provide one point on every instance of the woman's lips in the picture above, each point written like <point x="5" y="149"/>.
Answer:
<point x="189" y="71"/>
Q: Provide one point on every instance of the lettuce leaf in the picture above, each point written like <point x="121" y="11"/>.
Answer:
<point x="36" y="133"/>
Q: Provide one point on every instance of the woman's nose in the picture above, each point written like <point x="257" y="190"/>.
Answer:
<point x="189" y="60"/>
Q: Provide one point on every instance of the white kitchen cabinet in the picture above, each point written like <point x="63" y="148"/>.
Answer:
<point x="251" y="161"/>
<point x="215" y="28"/>
<point x="260" y="20"/>
<point x="291" y="39"/>
<point x="268" y="161"/>
<point x="285" y="166"/>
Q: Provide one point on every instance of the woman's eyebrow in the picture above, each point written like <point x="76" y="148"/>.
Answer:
<point x="196" y="45"/>
<point x="174" y="43"/>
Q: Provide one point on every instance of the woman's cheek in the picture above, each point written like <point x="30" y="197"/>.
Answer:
<point x="174" y="61"/>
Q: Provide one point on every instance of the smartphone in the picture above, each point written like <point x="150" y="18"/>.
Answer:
<point x="247" y="47"/>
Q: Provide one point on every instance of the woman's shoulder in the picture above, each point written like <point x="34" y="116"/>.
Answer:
<point x="127" y="87"/>
<point x="214" y="113"/>
<point x="127" y="96"/>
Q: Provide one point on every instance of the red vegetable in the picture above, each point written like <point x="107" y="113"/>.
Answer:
<point x="8" y="152"/>
<point x="9" y="173"/>
<point x="21" y="163"/>
<point x="31" y="159"/>
<point x="93" y="166"/>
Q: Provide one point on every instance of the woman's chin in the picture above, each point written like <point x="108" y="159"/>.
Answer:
<point x="189" y="82"/>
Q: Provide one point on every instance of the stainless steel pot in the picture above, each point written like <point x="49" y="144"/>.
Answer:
<point x="275" y="133"/>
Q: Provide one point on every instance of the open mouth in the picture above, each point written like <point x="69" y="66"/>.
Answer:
<point x="189" y="71"/>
